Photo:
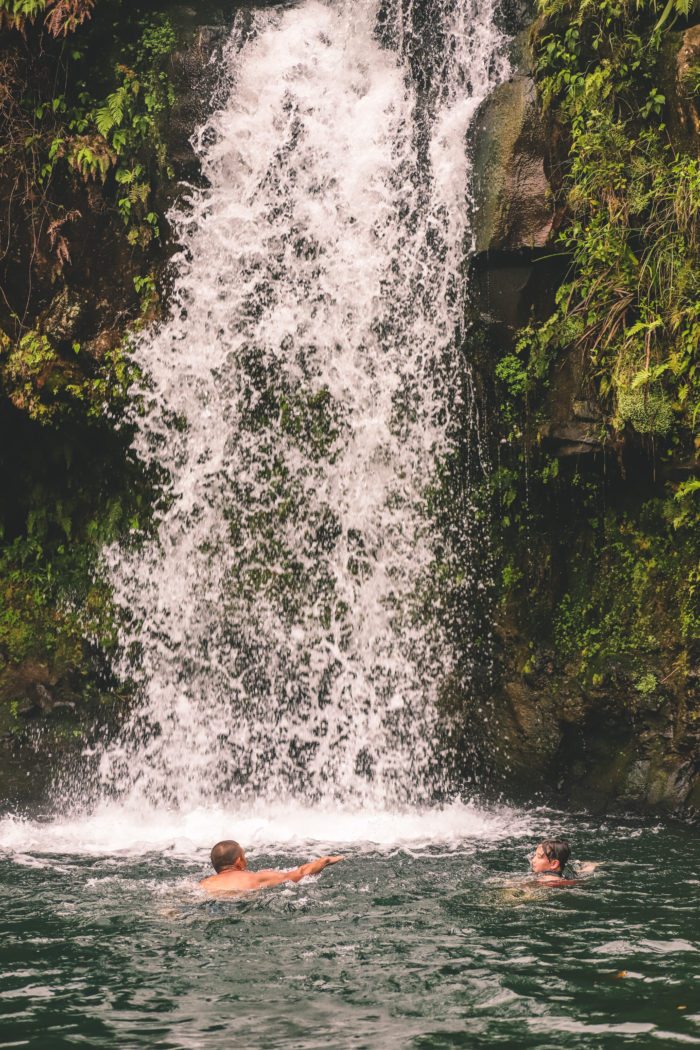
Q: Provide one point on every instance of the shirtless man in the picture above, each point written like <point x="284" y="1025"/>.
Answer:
<point x="232" y="872"/>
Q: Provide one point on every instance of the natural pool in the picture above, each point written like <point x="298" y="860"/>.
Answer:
<point x="415" y="940"/>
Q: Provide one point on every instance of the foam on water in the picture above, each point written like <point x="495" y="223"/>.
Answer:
<point x="116" y="829"/>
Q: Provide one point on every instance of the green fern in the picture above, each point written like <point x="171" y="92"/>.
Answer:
<point x="678" y="8"/>
<point x="111" y="114"/>
<point x="23" y="8"/>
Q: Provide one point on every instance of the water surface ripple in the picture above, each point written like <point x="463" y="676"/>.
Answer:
<point x="419" y="944"/>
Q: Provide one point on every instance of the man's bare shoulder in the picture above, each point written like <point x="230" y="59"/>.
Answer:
<point x="227" y="881"/>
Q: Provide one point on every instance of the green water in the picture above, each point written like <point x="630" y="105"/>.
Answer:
<point x="420" y="945"/>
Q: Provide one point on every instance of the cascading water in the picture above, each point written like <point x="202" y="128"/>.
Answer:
<point x="302" y="396"/>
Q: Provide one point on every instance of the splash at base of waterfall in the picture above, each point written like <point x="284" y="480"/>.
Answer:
<point x="261" y="828"/>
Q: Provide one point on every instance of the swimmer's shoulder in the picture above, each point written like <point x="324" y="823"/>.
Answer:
<point x="230" y="881"/>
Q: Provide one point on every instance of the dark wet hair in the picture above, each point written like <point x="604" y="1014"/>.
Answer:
<point x="225" y="854"/>
<point x="557" y="849"/>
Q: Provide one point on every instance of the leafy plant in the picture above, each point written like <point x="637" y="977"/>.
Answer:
<point x="632" y="203"/>
<point x="51" y="134"/>
<point x="42" y="383"/>
<point x="82" y="104"/>
<point x="648" y="412"/>
<point x="60" y="16"/>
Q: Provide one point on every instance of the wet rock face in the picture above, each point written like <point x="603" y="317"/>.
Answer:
<point x="581" y="430"/>
<point x="513" y="208"/>
<point x="514" y="271"/>
<point x="196" y="78"/>
<point x="64" y="314"/>
<point x="514" y="15"/>
<point x="548" y="738"/>
<point x="574" y="438"/>
<point x="550" y="734"/>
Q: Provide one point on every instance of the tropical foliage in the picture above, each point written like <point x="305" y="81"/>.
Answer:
<point x="612" y="588"/>
<point x="84" y="92"/>
<point x="631" y="193"/>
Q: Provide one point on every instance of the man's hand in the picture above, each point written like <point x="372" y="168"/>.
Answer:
<point x="312" y="868"/>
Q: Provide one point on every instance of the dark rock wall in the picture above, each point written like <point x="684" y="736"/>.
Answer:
<point x="625" y="735"/>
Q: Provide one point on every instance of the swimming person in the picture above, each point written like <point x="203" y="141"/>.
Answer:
<point x="232" y="872"/>
<point x="551" y="857"/>
<point x="549" y="860"/>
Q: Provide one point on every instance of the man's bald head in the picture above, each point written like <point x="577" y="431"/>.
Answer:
<point x="225" y="854"/>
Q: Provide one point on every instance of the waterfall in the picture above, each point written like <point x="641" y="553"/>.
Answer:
<point x="302" y="396"/>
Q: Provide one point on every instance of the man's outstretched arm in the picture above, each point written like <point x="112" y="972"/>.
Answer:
<point x="274" y="878"/>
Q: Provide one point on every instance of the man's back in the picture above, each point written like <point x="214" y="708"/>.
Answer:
<point x="240" y="879"/>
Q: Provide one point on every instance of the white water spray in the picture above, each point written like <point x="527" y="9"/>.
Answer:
<point x="302" y="396"/>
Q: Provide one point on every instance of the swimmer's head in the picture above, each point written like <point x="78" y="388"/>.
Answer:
<point x="551" y="855"/>
<point x="228" y="854"/>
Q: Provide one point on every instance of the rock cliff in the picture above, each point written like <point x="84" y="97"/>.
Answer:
<point x="597" y="697"/>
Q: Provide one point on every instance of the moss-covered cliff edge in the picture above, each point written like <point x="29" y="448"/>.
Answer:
<point x="588" y="281"/>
